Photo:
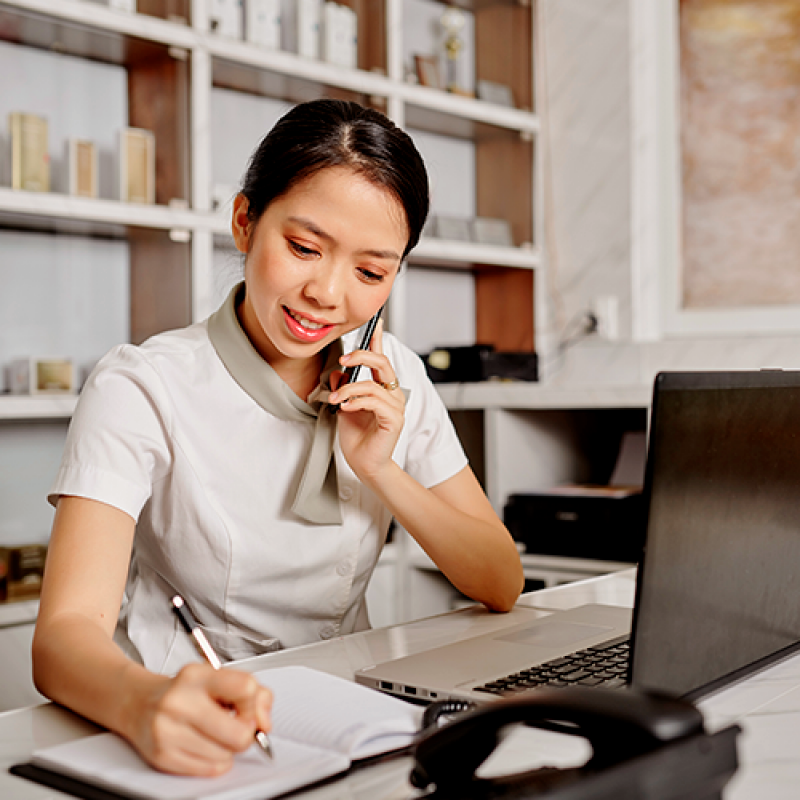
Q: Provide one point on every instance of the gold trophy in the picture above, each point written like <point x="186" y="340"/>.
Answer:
<point x="452" y="20"/>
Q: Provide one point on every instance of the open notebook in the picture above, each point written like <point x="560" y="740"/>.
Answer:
<point x="321" y="725"/>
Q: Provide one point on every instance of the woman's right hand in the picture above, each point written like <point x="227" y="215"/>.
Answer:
<point x="196" y="722"/>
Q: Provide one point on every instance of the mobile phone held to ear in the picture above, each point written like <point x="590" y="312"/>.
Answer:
<point x="351" y="373"/>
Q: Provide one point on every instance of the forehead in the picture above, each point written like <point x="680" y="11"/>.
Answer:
<point x="346" y="189"/>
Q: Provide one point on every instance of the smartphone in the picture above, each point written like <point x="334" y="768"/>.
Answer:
<point x="351" y="373"/>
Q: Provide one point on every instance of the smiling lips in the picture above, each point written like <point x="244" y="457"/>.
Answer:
<point x="304" y="329"/>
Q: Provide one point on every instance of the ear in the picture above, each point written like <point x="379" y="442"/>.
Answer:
<point x="241" y="224"/>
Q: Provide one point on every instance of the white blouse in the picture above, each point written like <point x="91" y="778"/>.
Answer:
<point x="164" y="433"/>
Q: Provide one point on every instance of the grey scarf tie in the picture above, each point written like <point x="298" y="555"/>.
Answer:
<point x="317" y="497"/>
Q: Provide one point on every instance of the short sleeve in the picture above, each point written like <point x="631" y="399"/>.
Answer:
<point x="118" y="441"/>
<point x="434" y="452"/>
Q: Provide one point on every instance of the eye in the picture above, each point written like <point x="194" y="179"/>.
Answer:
<point x="302" y="250"/>
<point x="370" y="276"/>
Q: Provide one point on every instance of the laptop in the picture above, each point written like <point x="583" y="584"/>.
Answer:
<point x="718" y="582"/>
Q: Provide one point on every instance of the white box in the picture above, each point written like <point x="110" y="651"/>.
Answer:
<point x="37" y="375"/>
<point x="263" y="23"/>
<point x="309" y="20"/>
<point x="340" y="35"/>
<point x="226" y="18"/>
<point x="123" y="5"/>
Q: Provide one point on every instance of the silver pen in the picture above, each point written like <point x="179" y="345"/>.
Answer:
<point x="191" y="627"/>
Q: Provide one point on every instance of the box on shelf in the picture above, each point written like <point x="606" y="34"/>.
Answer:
<point x="479" y="362"/>
<point x="263" y="21"/>
<point x="137" y="166"/>
<point x="37" y="375"/>
<point x="226" y="17"/>
<point x="339" y="35"/>
<point x="82" y="167"/>
<point x="30" y="155"/>
<point x="309" y="25"/>
<point x="596" y="522"/>
<point x="21" y="571"/>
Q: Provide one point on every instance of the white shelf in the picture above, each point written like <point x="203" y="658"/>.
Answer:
<point x="20" y="612"/>
<point x="51" y="205"/>
<point x="295" y="66"/>
<point x="22" y="407"/>
<point x="109" y="20"/>
<point x="469" y="108"/>
<point x="524" y="395"/>
<point x="468" y="253"/>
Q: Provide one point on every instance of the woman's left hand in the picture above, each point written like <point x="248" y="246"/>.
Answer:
<point x="371" y="413"/>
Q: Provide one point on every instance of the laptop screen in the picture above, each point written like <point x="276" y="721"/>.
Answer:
<point x="718" y="593"/>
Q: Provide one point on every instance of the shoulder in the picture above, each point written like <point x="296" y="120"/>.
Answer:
<point x="161" y="354"/>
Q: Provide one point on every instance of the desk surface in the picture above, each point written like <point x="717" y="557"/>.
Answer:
<point x="767" y="706"/>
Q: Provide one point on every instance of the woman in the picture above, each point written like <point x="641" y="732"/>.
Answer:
<point x="207" y="461"/>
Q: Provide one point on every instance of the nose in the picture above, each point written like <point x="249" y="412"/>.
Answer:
<point x="326" y="287"/>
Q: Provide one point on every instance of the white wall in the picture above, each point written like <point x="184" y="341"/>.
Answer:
<point x="613" y="175"/>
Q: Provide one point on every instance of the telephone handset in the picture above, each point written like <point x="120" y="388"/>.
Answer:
<point x="351" y="373"/>
<point x="628" y="730"/>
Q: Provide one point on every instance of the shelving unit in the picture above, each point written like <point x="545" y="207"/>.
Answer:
<point x="175" y="68"/>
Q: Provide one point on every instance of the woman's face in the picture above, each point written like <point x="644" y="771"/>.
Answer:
<point x="320" y="262"/>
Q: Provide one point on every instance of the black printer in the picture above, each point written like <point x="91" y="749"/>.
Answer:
<point x="597" y="522"/>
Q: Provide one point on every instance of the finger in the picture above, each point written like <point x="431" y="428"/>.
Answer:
<point x="241" y="692"/>
<point x="176" y="745"/>
<point x="376" y="345"/>
<point x="349" y="394"/>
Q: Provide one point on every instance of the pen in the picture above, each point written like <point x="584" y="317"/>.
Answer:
<point x="196" y="632"/>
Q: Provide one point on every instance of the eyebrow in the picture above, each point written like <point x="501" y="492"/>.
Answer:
<point x="312" y="227"/>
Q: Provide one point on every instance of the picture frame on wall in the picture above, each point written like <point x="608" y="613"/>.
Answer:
<point x="427" y="69"/>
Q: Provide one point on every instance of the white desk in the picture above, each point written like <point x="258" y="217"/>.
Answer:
<point x="767" y="706"/>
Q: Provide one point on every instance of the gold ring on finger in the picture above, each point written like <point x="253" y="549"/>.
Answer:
<point x="390" y="387"/>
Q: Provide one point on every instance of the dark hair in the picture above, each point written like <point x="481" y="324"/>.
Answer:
<point x="332" y="133"/>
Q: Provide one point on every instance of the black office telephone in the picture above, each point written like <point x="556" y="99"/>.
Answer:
<point x="645" y="747"/>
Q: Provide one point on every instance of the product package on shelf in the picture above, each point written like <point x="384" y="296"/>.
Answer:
<point x="82" y="167"/>
<point x="21" y="571"/>
<point x="263" y="21"/>
<point x="41" y="376"/>
<point x="226" y="17"/>
<point x="309" y="23"/>
<point x="137" y="166"/>
<point x="340" y="35"/>
<point x="30" y="156"/>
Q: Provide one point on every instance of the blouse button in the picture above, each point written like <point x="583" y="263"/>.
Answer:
<point x="345" y="493"/>
<point x="327" y="632"/>
<point x="344" y="567"/>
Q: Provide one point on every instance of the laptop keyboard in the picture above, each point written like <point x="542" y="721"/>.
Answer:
<point x="603" y="665"/>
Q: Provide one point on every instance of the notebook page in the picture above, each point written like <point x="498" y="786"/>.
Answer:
<point x="106" y="760"/>
<point x="337" y="714"/>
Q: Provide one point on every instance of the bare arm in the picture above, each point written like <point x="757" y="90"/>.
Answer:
<point x="454" y="522"/>
<point x="177" y="724"/>
<point x="457" y="527"/>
